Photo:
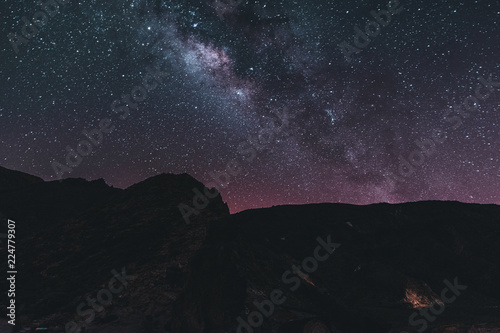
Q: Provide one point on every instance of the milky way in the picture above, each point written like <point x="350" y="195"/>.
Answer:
<point x="373" y="113"/>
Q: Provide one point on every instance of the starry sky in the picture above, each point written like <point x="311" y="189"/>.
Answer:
<point x="295" y="100"/>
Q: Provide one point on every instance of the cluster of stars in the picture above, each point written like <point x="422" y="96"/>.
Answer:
<point x="230" y="64"/>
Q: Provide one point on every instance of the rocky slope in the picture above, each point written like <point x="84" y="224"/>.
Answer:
<point x="11" y="179"/>
<point x="392" y="261"/>
<point x="71" y="235"/>
<point x="93" y="258"/>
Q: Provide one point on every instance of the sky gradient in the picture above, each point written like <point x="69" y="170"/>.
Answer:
<point x="297" y="101"/>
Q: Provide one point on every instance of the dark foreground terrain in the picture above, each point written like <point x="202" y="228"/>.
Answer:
<point x="93" y="258"/>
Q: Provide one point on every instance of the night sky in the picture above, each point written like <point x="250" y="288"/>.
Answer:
<point x="188" y="86"/>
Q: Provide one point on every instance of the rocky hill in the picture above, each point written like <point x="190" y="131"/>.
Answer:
<point x="93" y="258"/>
<point x="11" y="179"/>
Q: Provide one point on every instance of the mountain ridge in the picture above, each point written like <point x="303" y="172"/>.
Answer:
<point x="206" y="276"/>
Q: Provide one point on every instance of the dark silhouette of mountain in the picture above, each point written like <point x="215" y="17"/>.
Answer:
<point x="11" y="179"/>
<point x="70" y="235"/>
<point x="76" y="240"/>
